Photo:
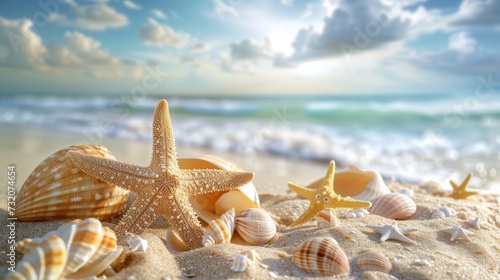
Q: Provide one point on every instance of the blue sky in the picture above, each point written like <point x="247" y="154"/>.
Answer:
<point x="246" y="47"/>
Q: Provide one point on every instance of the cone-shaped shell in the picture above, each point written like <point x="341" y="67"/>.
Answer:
<point x="255" y="226"/>
<point x="372" y="260"/>
<point x="210" y="206"/>
<point x="220" y="230"/>
<point x="327" y="218"/>
<point x="393" y="206"/>
<point x="321" y="255"/>
<point x="57" y="189"/>
<point x="357" y="183"/>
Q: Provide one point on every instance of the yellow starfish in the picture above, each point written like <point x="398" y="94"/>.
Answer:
<point x="162" y="188"/>
<point x="324" y="197"/>
<point x="460" y="191"/>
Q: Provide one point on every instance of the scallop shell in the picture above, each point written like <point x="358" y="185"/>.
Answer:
<point x="255" y="226"/>
<point x="357" y="183"/>
<point x="372" y="260"/>
<point x="244" y="260"/>
<point x="88" y="247"/>
<point x="210" y="206"/>
<point x="57" y="189"/>
<point x="321" y="254"/>
<point x="436" y="214"/>
<point x="393" y="206"/>
<point x="220" y="230"/>
<point x="447" y="211"/>
<point x="327" y="218"/>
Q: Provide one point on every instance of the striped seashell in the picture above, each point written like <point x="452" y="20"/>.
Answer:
<point x="321" y="255"/>
<point x="244" y="260"/>
<point x="447" y="211"/>
<point x="372" y="260"/>
<point x="57" y="189"/>
<point x="327" y="218"/>
<point x="393" y="206"/>
<point x="220" y="230"/>
<point x="436" y="214"/>
<point x="255" y="226"/>
<point x="89" y="248"/>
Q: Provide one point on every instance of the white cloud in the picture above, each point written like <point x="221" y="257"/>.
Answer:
<point x="131" y="5"/>
<point x="98" y="16"/>
<point x="153" y="33"/>
<point x="251" y="50"/>
<point x="462" y="42"/>
<point x="478" y="12"/>
<point x="222" y="8"/>
<point x="200" y="47"/>
<point x="159" y="14"/>
<point x="88" y="49"/>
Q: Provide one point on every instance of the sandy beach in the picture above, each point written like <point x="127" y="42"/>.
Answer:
<point x="433" y="257"/>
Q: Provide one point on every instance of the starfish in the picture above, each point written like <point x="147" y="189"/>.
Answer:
<point x="477" y="223"/>
<point x="393" y="232"/>
<point x="457" y="232"/>
<point x="324" y="197"/>
<point x="460" y="191"/>
<point x="162" y="188"/>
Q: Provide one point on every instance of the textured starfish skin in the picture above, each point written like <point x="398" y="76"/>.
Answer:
<point x="162" y="188"/>
<point x="393" y="232"/>
<point x="324" y="197"/>
<point x="460" y="191"/>
<point x="457" y="232"/>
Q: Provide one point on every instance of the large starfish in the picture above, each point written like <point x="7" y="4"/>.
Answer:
<point x="162" y="188"/>
<point x="460" y="191"/>
<point x="324" y="197"/>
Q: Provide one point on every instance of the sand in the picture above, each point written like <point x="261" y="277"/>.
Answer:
<point x="433" y="257"/>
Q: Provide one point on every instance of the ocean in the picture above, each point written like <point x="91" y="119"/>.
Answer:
<point x="412" y="137"/>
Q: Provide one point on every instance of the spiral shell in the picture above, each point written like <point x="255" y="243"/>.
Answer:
<point x="321" y="254"/>
<point x="447" y="211"/>
<point x="77" y="249"/>
<point x="57" y="189"/>
<point x="219" y="230"/>
<point x="244" y="260"/>
<point x="372" y="260"/>
<point x="393" y="206"/>
<point x="327" y="218"/>
<point x="436" y="214"/>
<point x="255" y="226"/>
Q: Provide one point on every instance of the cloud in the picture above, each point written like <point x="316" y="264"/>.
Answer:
<point x="98" y="16"/>
<point x="131" y="5"/>
<point x="462" y="42"/>
<point x="153" y="33"/>
<point x="478" y="12"/>
<point x="200" y="47"/>
<point x="250" y="50"/>
<point x="159" y="14"/>
<point x="88" y="49"/>
<point x="222" y="8"/>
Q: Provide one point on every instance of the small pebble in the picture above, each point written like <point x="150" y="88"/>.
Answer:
<point x="273" y="274"/>
<point x="422" y="263"/>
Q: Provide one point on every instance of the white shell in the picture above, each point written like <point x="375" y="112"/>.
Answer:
<point x="357" y="183"/>
<point x="255" y="226"/>
<point x="350" y="215"/>
<point x="448" y="212"/>
<point x="244" y="260"/>
<point x="327" y="218"/>
<point x="321" y="255"/>
<point x="136" y="243"/>
<point x="393" y="206"/>
<point x="407" y="192"/>
<point x="436" y="214"/>
<point x="219" y="230"/>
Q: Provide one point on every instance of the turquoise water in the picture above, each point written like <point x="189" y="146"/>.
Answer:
<point x="420" y="137"/>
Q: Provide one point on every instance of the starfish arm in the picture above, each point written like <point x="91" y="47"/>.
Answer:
<point x="347" y="202"/>
<point x="376" y="228"/>
<point x="307" y="193"/>
<point x="204" y="181"/>
<point x="454" y="185"/>
<point x="385" y="236"/>
<point x="466" y="181"/>
<point x="454" y="235"/>
<point x="330" y="175"/>
<point x="466" y="194"/>
<point x="164" y="155"/>
<point x="403" y="238"/>
<point x="140" y="215"/>
<point x="305" y="217"/>
<point x="127" y="176"/>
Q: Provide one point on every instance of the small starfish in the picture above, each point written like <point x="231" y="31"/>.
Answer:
<point x="457" y="232"/>
<point x="460" y="191"/>
<point x="324" y="197"/>
<point x="477" y="223"/>
<point x="162" y="188"/>
<point x="393" y="232"/>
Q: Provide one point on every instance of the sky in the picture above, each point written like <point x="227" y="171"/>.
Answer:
<point x="245" y="47"/>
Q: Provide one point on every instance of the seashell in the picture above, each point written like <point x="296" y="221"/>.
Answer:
<point x="210" y="206"/>
<point x="327" y="218"/>
<point x="255" y="226"/>
<point x="136" y="243"/>
<point x="219" y="230"/>
<point x="321" y="254"/>
<point x="243" y="261"/>
<point x="88" y="247"/>
<point x="57" y="189"/>
<point x="393" y="206"/>
<point x="350" y="215"/>
<point x="407" y="192"/>
<point x="447" y="211"/>
<point x="357" y="183"/>
<point x="372" y="260"/>
<point x="436" y="214"/>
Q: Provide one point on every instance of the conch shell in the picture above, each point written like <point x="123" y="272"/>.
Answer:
<point x="58" y="190"/>
<point x="220" y="230"/>
<point x="357" y="183"/>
